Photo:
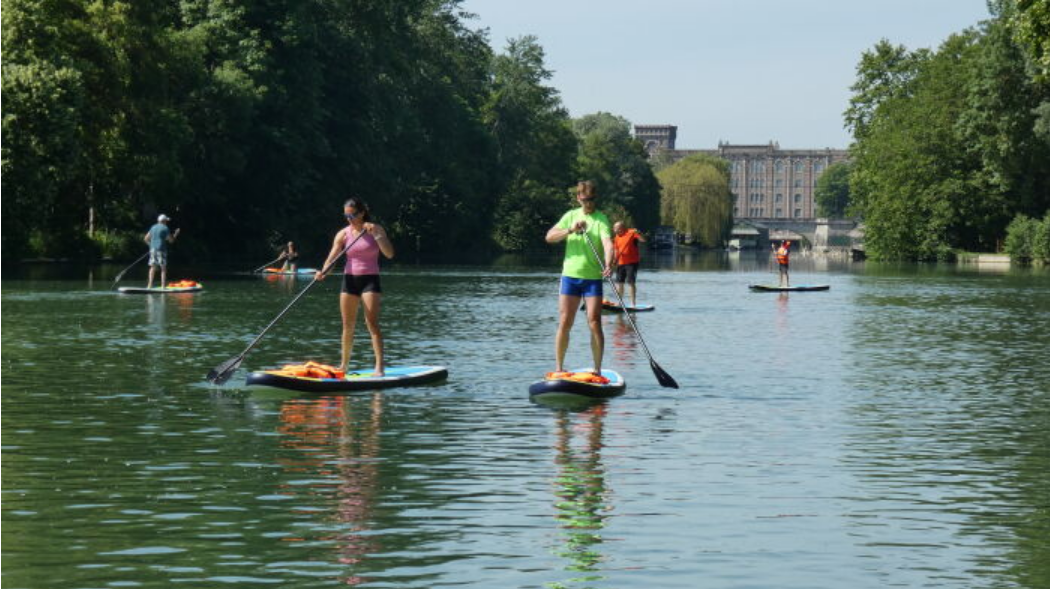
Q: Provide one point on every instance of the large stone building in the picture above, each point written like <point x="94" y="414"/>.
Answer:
<point x="767" y="182"/>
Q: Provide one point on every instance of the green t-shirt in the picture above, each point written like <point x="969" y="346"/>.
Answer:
<point x="579" y="258"/>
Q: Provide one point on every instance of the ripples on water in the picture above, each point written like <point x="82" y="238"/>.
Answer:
<point x="890" y="432"/>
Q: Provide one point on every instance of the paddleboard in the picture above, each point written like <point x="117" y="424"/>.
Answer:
<point x="395" y="376"/>
<point x="160" y="289"/>
<point x="298" y="272"/>
<point x="567" y="387"/>
<point x="616" y="308"/>
<point x="799" y="288"/>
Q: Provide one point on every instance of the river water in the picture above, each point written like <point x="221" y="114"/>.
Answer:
<point x="891" y="432"/>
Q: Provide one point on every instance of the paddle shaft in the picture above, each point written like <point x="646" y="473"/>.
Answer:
<point x="627" y="313"/>
<point x="125" y="270"/>
<point x="325" y="270"/>
<point x="274" y="261"/>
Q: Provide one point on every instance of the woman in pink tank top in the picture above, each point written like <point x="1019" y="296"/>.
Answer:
<point x="362" y="241"/>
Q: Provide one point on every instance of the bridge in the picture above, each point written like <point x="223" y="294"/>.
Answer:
<point x="818" y="233"/>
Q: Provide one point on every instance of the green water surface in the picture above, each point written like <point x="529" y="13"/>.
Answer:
<point x="891" y="432"/>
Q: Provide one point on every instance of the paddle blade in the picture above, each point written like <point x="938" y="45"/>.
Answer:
<point x="662" y="377"/>
<point x="224" y="371"/>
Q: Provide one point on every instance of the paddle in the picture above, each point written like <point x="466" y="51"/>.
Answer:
<point x="662" y="377"/>
<point x="224" y="371"/>
<point x="125" y="270"/>
<point x="267" y="264"/>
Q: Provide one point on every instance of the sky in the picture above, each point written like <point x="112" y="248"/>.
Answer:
<point x="739" y="71"/>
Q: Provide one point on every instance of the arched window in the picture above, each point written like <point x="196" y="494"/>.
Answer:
<point x="798" y="167"/>
<point x="818" y="167"/>
<point x="780" y="166"/>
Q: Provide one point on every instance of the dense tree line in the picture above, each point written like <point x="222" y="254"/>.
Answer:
<point x="250" y="122"/>
<point x="951" y="144"/>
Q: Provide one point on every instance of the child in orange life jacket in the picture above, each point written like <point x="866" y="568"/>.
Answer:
<point x="783" y="253"/>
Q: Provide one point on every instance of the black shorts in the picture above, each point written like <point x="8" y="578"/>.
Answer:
<point x="627" y="273"/>
<point x="355" y="285"/>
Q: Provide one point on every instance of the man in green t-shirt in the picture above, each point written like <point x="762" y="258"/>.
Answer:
<point x="582" y="272"/>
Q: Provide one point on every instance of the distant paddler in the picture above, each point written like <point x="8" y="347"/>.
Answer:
<point x="290" y="255"/>
<point x="783" y="255"/>
<point x="158" y="238"/>
<point x="627" y="258"/>
<point x="362" y="241"/>
<point x="582" y="272"/>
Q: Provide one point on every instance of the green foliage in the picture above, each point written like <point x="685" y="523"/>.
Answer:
<point x="1041" y="240"/>
<point x="618" y="165"/>
<point x="535" y="146"/>
<point x="946" y="148"/>
<point x="832" y="191"/>
<point x="117" y="244"/>
<point x="1029" y="21"/>
<point x="1028" y="239"/>
<point x="1020" y="238"/>
<point x="248" y="120"/>
<point x="696" y="199"/>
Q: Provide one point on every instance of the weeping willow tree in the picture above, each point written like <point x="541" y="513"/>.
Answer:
<point x="696" y="200"/>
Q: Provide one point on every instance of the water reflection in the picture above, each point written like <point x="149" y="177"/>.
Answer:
<point x="156" y="312"/>
<point x="581" y="492"/>
<point x="337" y="450"/>
<point x="624" y="342"/>
<point x="282" y="283"/>
<point x="782" y="316"/>
<point x="945" y="430"/>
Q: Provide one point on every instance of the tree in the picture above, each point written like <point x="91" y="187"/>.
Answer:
<point x="251" y="122"/>
<point x="920" y="194"/>
<point x="696" y="199"/>
<point x="1029" y="21"/>
<point x="947" y="144"/>
<point x="832" y="191"/>
<point x="535" y="147"/>
<point x="618" y="165"/>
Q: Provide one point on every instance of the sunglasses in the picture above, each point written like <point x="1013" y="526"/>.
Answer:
<point x="350" y="216"/>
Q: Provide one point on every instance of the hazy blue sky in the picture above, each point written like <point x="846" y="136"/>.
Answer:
<point x="743" y="71"/>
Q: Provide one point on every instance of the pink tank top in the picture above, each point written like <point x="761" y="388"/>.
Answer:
<point x="363" y="257"/>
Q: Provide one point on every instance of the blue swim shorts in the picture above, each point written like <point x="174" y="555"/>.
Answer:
<point x="581" y="287"/>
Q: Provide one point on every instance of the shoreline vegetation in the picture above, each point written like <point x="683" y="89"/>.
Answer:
<point x="249" y="124"/>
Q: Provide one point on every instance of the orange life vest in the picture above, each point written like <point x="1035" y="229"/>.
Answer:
<point x="183" y="284"/>
<point x="782" y="255"/>
<point x="310" y="369"/>
<point x="578" y="376"/>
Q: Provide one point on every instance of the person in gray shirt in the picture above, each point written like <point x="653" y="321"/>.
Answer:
<point x="158" y="237"/>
